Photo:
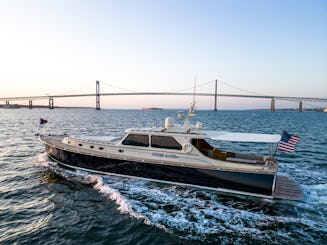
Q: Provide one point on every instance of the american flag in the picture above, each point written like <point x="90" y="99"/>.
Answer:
<point x="288" y="142"/>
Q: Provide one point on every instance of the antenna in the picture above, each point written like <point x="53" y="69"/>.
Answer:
<point x="194" y="89"/>
<point x="191" y="112"/>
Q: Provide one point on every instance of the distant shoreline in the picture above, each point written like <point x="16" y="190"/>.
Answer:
<point x="17" y="106"/>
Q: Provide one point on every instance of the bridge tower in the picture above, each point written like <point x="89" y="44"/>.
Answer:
<point x="272" y="105"/>
<point x="30" y="105"/>
<point x="51" y="104"/>
<point x="97" y="89"/>
<point x="300" y="106"/>
<point x="215" y="108"/>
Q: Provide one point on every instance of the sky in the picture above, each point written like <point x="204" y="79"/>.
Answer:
<point x="263" y="47"/>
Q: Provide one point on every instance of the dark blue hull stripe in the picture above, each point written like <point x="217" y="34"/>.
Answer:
<point x="237" y="181"/>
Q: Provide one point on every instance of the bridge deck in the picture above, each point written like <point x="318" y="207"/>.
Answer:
<point x="41" y="97"/>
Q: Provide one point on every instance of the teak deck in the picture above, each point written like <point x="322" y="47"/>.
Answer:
<point x="287" y="188"/>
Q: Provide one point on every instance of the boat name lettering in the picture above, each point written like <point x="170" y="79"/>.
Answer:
<point x="164" y="155"/>
<point x="171" y="156"/>
<point x="157" y="154"/>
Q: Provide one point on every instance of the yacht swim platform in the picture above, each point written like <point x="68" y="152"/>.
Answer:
<point x="287" y="188"/>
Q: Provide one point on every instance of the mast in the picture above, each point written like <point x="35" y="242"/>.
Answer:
<point x="191" y="112"/>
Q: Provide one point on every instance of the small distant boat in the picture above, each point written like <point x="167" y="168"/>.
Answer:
<point x="325" y="110"/>
<point x="151" y="108"/>
<point x="180" y="155"/>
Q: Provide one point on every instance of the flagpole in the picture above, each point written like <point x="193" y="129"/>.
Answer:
<point x="276" y="147"/>
<point x="274" y="153"/>
<point x="42" y="122"/>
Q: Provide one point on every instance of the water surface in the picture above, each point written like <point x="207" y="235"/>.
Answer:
<point x="41" y="203"/>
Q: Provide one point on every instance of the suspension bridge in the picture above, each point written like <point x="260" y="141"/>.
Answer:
<point x="215" y="95"/>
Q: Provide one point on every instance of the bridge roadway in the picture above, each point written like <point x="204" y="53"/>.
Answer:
<point x="288" y="98"/>
<point x="215" y="95"/>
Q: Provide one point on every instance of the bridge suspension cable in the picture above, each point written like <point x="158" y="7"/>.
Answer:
<point x="172" y="91"/>
<point x="240" y="89"/>
<point x="91" y="84"/>
<point x="88" y="85"/>
<point x="190" y="88"/>
<point x="124" y="89"/>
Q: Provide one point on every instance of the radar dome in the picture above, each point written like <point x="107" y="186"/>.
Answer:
<point x="169" y="122"/>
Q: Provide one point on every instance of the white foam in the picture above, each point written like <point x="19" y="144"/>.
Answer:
<point x="42" y="160"/>
<point x="114" y="195"/>
<point x="316" y="194"/>
<point x="124" y="206"/>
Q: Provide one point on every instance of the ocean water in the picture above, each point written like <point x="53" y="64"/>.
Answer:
<point x="40" y="203"/>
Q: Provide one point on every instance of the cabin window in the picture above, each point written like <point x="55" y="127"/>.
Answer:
<point x="80" y="144"/>
<point x="137" y="140"/>
<point x="100" y="148"/>
<point x="165" y="142"/>
<point x="91" y="146"/>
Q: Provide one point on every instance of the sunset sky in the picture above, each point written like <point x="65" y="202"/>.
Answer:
<point x="251" y="46"/>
